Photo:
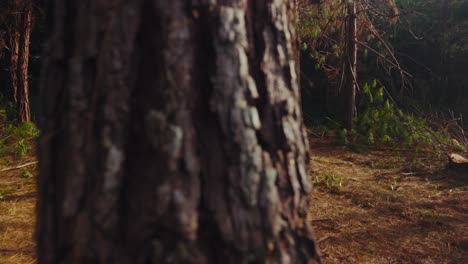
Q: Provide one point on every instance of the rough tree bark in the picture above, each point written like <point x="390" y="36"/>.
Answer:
<point x="14" y="44"/>
<point x="22" y="92"/>
<point x="19" y="32"/>
<point x="172" y="133"/>
<point x="349" y="94"/>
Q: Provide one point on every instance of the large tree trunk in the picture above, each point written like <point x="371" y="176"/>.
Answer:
<point x="172" y="133"/>
<point x="350" y="66"/>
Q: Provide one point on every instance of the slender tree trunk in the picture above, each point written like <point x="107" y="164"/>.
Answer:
<point x="19" y="58"/>
<point x="22" y="90"/>
<point x="294" y="17"/>
<point x="172" y="133"/>
<point x="445" y="89"/>
<point x="14" y="46"/>
<point x="350" y="67"/>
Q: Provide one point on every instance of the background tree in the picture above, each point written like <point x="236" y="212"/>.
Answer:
<point x="332" y="31"/>
<point x="431" y="41"/>
<point x="22" y="91"/>
<point x="172" y="132"/>
<point x="350" y="70"/>
<point x="416" y="49"/>
<point x="16" y="18"/>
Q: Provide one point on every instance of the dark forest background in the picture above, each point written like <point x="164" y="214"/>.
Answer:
<point x="416" y="49"/>
<point x="427" y="39"/>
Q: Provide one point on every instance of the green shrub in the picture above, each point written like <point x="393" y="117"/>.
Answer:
<point x="26" y="130"/>
<point x="21" y="148"/>
<point x="380" y="121"/>
<point x="341" y="137"/>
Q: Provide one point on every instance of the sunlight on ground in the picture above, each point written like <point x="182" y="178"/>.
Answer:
<point x="392" y="207"/>
<point x="376" y="206"/>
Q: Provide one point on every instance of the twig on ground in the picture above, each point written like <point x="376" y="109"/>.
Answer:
<point x="13" y="182"/>
<point x="322" y="219"/>
<point x="413" y="173"/>
<point x="19" y="166"/>
<point x="323" y="239"/>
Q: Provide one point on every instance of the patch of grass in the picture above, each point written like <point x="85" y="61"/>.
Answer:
<point x="4" y="193"/>
<point x="25" y="174"/>
<point x="17" y="140"/>
<point x="21" y="148"/>
<point x="330" y="182"/>
<point x="26" y="130"/>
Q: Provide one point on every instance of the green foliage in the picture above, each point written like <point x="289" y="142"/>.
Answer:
<point x="331" y="182"/>
<point x="341" y="137"/>
<point x="17" y="140"/>
<point x="26" y="130"/>
<point x="322" y="29"/>
<point x="5" y="193"/>
<point x="381" y="121"/>
<point x="318" y="23"/>
<point x="25" y="174"/>
<point x="21" y="148"/>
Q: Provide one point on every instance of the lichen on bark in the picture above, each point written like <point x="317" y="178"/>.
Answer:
<point x="182" y="135"/>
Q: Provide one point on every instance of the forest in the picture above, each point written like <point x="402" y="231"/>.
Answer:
<point x="233" y="131"/>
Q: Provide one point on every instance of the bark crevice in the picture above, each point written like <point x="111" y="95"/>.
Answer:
<point x="193" y="148"/>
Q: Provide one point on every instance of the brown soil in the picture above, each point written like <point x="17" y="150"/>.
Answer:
<point x="393" y="206"/>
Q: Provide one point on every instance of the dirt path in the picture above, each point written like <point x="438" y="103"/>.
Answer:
<point x="391" y="207"/>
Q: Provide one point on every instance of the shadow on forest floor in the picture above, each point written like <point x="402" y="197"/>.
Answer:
<point x="389" y="206"/>
<point x="373" y="206"/>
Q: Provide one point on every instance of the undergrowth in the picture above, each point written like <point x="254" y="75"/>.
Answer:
<point x="328" y="181"/>
<point x="16" y="140"/>
<point x="16" y="146"/>
<point x="380" y="121"/>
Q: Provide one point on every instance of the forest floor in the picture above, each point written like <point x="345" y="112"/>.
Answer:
<point x="369" y="205"/>
<point x="17" y="216"/>
<point x="387" y="206"/>
<point x="17" y="192"/>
